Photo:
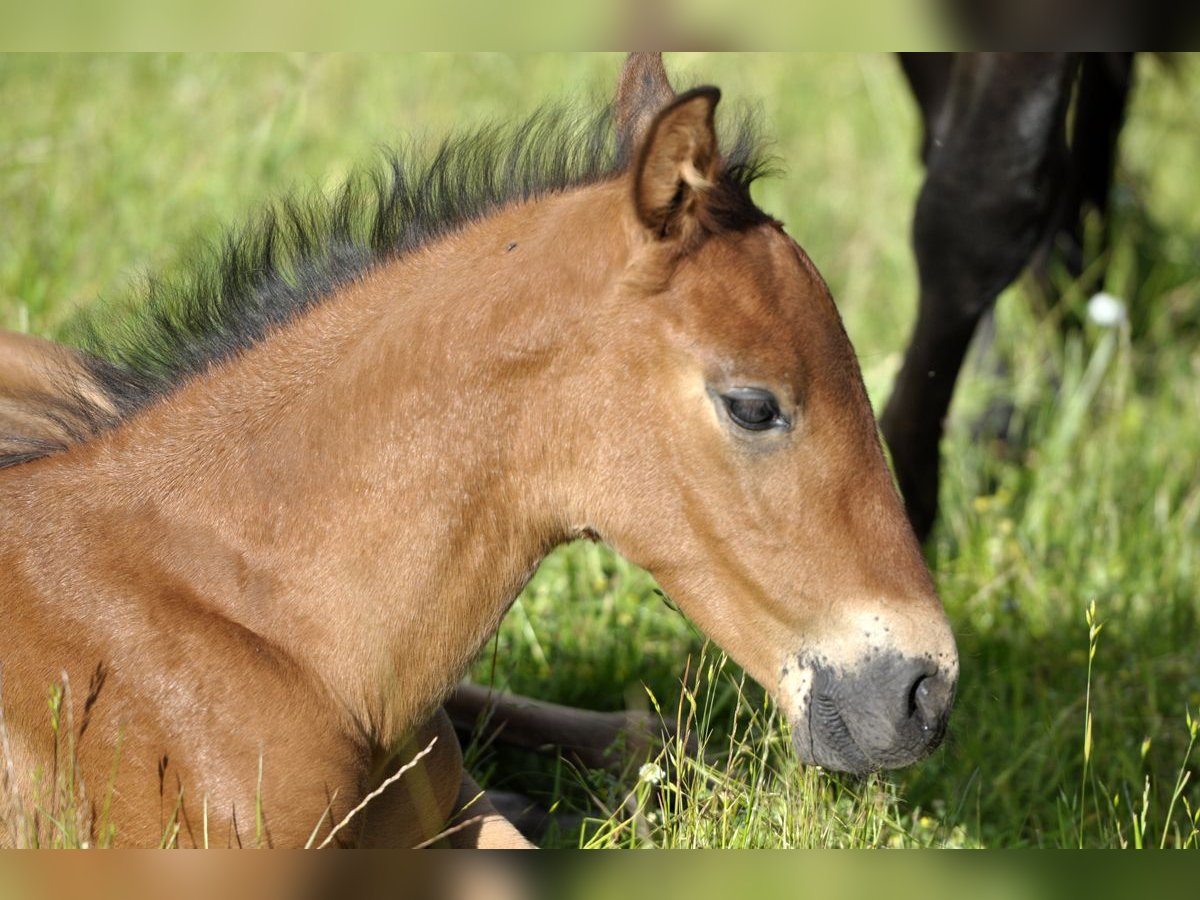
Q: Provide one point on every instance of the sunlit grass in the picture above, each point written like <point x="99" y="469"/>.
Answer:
<point x="61" y="811"/>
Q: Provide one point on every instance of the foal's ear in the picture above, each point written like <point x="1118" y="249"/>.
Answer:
<point x="677" y="163"/>
<point x="642" y="91"/>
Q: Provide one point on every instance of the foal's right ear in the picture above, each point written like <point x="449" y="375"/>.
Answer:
<point x="677" y="164"/>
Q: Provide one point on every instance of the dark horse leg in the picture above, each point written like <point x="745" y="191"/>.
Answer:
<point x="1002" y="191"/>
<point x="1100" y="103"/>
<point x="998" y="166"/>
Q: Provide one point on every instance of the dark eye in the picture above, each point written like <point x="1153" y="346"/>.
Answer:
<point x="754" y="409"/>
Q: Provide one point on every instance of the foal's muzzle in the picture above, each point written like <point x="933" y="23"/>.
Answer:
<point x="884" y="713"/>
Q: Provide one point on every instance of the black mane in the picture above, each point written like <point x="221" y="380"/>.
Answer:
<point x="297" y="251"/>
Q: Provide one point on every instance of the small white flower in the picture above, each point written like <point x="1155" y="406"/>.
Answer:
<point x="651" y="773"/>
<point x="1106" y="310"/>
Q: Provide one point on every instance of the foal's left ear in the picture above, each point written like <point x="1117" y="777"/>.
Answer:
<point x="677" y="163"/>
<point x="642" y="91"/>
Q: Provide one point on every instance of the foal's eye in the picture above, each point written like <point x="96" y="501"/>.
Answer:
<point x="754" y="409"/>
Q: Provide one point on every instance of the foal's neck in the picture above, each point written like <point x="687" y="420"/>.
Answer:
<point x="373" y="484"/>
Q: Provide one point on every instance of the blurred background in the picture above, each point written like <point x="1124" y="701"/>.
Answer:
<point x="1064" y="733"/>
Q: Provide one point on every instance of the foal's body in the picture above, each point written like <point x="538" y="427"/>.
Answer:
<point x="221" y="512"/>
<point x="39" y="381"/>
<point x="262" y="583"/>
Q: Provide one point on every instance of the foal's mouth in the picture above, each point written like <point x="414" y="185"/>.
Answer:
<point x="872" y="716"/>
<point x="824" y="709"/>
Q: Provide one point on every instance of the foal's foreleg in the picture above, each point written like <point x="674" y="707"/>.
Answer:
<point x="596" y="740"/>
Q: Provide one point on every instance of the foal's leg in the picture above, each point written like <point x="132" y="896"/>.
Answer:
<point x="419" y="804"/>
<point x="595" y="740"/>
<point x="997" y="171"/>
<point x="478" y="824"/>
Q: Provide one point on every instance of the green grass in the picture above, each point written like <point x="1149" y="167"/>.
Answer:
<point x="1063" y="734"/>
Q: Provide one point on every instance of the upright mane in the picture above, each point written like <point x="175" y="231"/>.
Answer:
<point x="297" y="251"/>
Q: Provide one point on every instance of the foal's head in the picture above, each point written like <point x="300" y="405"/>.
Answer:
<point x="738" y="457"/>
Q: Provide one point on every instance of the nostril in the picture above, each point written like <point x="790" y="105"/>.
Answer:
<point x="928" y="700"/>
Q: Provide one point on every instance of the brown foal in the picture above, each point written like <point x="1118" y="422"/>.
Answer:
<point x="263" y="582"/>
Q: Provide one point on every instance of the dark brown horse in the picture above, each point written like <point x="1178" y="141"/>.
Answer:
<point x="316" y="478"/>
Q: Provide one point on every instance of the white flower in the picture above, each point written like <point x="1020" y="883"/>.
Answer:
<point x="1106" y="310"/>
<point x="651" y="773"/>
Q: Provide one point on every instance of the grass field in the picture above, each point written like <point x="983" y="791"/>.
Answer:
<point x="1071" y="728"/>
